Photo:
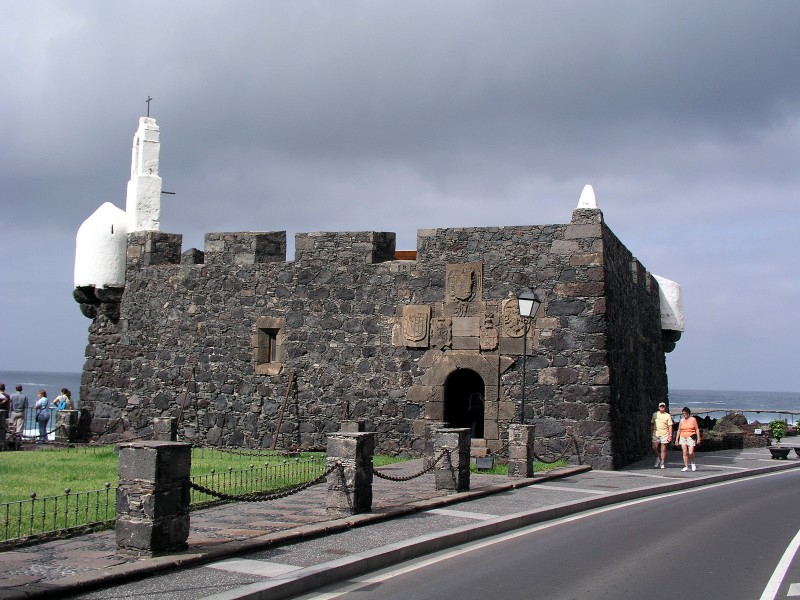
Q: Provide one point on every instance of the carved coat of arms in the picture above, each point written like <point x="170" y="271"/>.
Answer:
<point x="416" y="320"/>
<point x="464" y="282"/>
<point x="513" y="325"/>
<point x="415" y="327"/>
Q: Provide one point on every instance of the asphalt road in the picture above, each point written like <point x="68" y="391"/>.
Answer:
<point x="721" y="541"/>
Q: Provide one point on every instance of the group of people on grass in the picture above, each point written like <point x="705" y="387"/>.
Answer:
<point x="16" y="405"/>
<point x="687" y="438"/>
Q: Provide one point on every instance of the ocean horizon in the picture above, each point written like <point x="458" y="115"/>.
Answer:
<point x="755" y="405"/>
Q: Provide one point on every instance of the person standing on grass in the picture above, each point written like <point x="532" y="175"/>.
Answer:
<point x="688" y="430"/>
<point x="19" y="404"/>
<point x="661" y="434"/>
<point x="42" y="407"/>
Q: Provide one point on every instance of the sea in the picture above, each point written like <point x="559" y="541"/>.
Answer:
<point x="756" y="406"/>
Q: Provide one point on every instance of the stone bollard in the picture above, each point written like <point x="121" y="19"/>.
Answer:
<point x="67" y="426"/>
<point x="452" y="472"/>
<point x="153" y="496"/>
<point x="165" y="429"/>
<point x="520" y="450"/>
<point x="351" y="426"/>
<point x="350" y="488"/>
<point x="429" y="454"/>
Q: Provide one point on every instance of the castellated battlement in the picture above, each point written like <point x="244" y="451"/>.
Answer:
<point x="356" y="247"/>
<point x="154" y="248"/>
<point x="245" y="248"/>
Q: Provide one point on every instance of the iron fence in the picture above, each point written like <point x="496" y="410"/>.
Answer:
<point x="68" y="513"/>
<point x="271" y="477"/>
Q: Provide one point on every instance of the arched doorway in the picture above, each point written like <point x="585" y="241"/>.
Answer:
<point x="464" y="394"/>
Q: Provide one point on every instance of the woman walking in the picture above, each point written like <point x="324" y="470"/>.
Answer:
<point x="688" y="436"/>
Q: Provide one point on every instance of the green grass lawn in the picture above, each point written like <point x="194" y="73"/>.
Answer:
<point x="49" y="472"/>
<point x="502" y="468"/>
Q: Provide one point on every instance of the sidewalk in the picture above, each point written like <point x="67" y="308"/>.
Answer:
<point x="82" y="563"/>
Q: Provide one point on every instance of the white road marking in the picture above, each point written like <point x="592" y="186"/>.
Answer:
<point x="261" y="568"/>
<point x="562" y="488"/>
<point x="655" y="473"/>
<point x="780" y="571"/>
<point x="726" y="467"/>
<point x="794" y="589"/>
<point x="462" y="513"/>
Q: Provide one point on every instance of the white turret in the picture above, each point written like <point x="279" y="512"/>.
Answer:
<point x="671" y="304"/>
<point x="101" y="248"/>
<point x="587" y="199"/>
<point x="143" y="203"/>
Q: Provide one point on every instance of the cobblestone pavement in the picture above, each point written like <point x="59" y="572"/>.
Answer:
<point x="228" y="530"/>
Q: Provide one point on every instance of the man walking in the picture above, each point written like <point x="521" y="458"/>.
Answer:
<point x="661" y="432"/>
<point x="19" y="404"/>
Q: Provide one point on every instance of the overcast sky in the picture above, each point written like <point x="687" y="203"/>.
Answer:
<point x="396" y="116"/>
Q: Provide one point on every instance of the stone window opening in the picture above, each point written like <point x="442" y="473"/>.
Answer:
<point x="268" y="345"/>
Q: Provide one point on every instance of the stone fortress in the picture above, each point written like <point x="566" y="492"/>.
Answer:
<point x="242" y="345"/>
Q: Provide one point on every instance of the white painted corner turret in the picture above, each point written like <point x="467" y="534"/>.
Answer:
<point x="587" y="199"/>
<point x="671" y="304"/>
<point x="101" y="248"/>
<point x="143" y="203"/>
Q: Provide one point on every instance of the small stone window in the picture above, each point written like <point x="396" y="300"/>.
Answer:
<point x="268" y="345"/>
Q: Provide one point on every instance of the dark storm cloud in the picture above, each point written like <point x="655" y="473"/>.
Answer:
<point x="305" y="116"/>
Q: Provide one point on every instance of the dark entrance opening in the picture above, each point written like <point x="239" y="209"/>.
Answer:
<point x="463" y="401"/>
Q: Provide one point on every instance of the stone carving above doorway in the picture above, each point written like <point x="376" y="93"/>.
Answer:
<point x="442" y="332"/>
<point x="513" y="325"/>
<point x="462" y="321"/>
<point x="464" y="282"/>
<point x="489" y="334"/>
<point x="416" y="321"/>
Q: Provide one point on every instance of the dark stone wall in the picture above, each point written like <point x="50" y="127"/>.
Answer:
<point x="187" y="340"/>
<point x="637" y="367"/>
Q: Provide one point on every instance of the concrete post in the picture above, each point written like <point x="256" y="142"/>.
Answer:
<point x="67" y="426"/>
<point x="153" y="496"/>
<point x="452" y="472"/>
<point x="520" y="450"/>
<point x="350" y="488"/>
<point x="351" y="426"/>
<point x="165" y="429"/>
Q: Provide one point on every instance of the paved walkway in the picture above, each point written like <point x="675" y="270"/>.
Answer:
<point x="68" y="566"/>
